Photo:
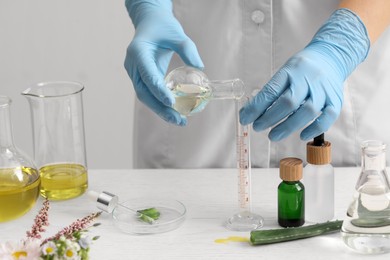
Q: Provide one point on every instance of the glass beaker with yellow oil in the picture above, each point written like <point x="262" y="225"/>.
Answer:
<point x="19" y="178"/>
<point x="58" y="138"/>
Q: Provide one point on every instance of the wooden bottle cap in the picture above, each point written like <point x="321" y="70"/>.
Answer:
<point x="290" y="169"/>
<point x="318" y="154"/>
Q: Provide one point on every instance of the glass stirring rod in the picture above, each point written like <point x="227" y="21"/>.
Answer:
<point x="244" y="220"/>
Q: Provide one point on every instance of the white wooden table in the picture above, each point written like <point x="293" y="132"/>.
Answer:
<point x="210" y="196"/>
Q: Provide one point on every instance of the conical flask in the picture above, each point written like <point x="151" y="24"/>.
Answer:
<point x="193" y="90"/>
<point x="19" y="178"/>
<point x="366" y="228"/>
<point x="58" y="138"/>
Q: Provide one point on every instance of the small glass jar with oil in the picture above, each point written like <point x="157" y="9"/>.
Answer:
<point x="58" y="137"/>
<point x="19" y="178"/>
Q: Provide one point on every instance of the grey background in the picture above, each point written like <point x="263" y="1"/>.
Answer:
<point x="77" y="40"/>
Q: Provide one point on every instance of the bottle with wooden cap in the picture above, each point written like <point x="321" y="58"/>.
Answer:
<point x="318" y="177"/>
<point x="291" y="193"/>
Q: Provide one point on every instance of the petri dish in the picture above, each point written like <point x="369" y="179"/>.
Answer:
<point x="172" y="215"/>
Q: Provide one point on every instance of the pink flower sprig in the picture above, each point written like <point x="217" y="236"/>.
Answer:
<point x="69" y="243"/>
<point x="76" y="226"/>
<point x="40" y="221"/>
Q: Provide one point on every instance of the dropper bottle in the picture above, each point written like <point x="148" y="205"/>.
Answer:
<point x="291" y="193"/>
<point x="318" y="177"/>
<point x="107" y="202"/>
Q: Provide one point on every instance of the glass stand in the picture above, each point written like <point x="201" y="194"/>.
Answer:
<point x="244" y="221"/>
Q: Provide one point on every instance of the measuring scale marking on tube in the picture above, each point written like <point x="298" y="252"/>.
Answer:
<point x="244" y="168"/>
<point x="244" y="220"/>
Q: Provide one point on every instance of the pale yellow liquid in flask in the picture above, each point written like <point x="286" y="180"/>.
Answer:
<point x="190" y="98"/>
<point x="19" y="190"/>
<point x="63" y="181"/>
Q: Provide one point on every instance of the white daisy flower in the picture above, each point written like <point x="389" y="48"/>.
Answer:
<point x="71" y="254"/>
<point x="49" y="248"/>
<point x="26" y="250"/>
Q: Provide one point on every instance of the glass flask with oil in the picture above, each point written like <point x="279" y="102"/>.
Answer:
<point x="366" y="228"/>
<point x="193" y="90"/>
<point x="19" y="178"/>
<point x="58" y="138"/>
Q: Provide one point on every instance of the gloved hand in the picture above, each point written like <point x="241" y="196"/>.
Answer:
<point x="158" y="34"/>
<point x="310" y="85"/>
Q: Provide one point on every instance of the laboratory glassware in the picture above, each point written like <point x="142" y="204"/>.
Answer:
<point x="193" y="90"/>
<point x="318" y="178"/>
<point x="58" y="138"/>
<point x="130" y="215"/>
<point x="19" y="178"/>
<point x="245" y="219"/>
<point x="107" y="202"/>
<point x="366" y="229"/>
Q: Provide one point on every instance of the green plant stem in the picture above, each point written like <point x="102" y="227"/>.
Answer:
<point x="263" y="237"/>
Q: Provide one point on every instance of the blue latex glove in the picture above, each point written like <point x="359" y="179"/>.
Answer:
<point x="158" y="34"/>
<point x="309" y="87"/>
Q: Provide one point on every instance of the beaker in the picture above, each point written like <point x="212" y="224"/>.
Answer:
<point x="58" y="138"/>
<point x="19" y="178"/>
<point x="193" y="90"/>
<point x="366" y="228"/>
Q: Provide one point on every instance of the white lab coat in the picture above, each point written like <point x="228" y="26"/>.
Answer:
<point x="251" y="40"/>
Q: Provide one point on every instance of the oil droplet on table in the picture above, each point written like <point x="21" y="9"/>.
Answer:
<point x="231" y="239"/>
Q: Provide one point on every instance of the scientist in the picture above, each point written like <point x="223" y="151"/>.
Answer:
<point x="313" y="64"/>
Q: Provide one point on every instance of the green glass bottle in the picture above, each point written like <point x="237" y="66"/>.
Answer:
<point x="291" y="194"/>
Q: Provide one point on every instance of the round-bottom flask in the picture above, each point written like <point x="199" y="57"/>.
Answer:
<point x="366" y="228"/>
<point x="193" y="90"/>
<point x="19" y="179"/>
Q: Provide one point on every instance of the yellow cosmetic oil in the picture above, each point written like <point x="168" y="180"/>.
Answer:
<point x="19" y="190"/>
<point x="63" y="181"/>
<point x="232" y="239"/>
<point x="190" y="98"/>
<point x="193" y="90"/>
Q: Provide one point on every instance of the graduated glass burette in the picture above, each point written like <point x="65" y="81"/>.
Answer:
<point x="193" y="90"/>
